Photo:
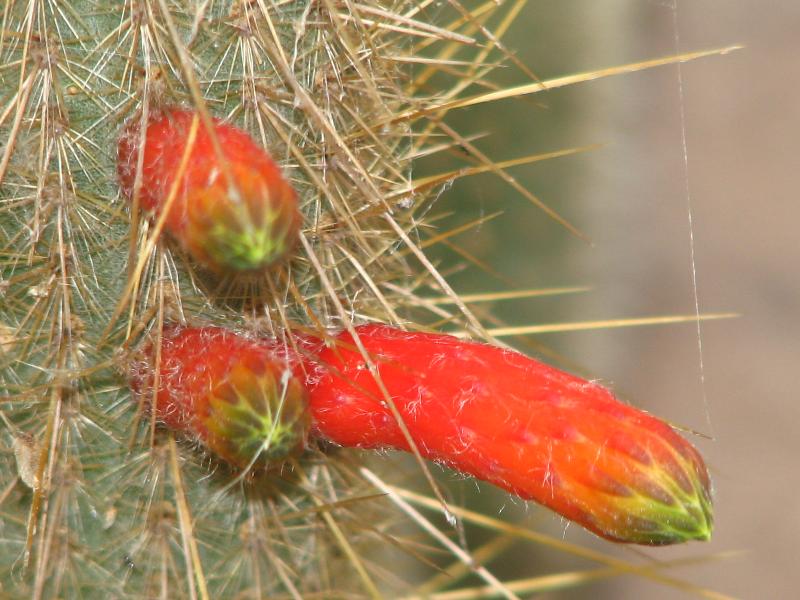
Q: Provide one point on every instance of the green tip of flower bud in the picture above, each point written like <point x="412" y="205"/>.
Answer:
<point x="257" y="418"/>
<point x="658" y="497"/>
<point x="245" y="226"/>
<point x="657" y="521"/>
<point x="247" y="250"/>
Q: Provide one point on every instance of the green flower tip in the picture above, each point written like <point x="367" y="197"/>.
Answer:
<point x="666" y="499"/>
<point x="246" y="227"/>
<point x="258" y="416"/>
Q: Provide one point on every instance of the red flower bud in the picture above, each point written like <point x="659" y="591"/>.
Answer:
<point x="234" y="395"/>
<point x="232" y="212"/>
<point x="528" y="428"/>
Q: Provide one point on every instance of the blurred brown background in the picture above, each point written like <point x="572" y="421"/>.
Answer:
<point x="742" y="124"/>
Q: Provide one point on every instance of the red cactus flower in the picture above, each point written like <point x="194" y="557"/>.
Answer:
<point x="233" y="211"/>
<point x="528" y="428"/>
<point x="233" y="395"/>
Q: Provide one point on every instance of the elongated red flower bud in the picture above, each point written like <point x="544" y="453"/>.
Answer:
<point x="526" y="427"/>
<point x="234" y="395"/>
<point x="233" y="212"/>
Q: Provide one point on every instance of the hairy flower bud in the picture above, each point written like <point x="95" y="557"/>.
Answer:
<point x="231" y="212"/>
<point x="232" y="394"/>
<point x="526" y="427"/>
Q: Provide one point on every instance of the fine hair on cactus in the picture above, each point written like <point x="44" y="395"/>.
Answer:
<point x="221" y="314"/>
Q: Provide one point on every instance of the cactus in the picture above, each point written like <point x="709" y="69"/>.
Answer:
<point x="96" y="499"/>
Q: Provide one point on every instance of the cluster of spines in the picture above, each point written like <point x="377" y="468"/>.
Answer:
<point x="72" y="309"/>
